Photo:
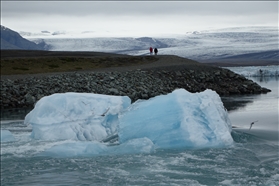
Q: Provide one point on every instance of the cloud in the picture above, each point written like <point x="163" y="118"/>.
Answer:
<point x="152" y="8"/>
<point x="135" y="16"/>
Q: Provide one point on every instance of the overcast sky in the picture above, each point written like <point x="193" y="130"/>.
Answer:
<point x="135" y="18"/>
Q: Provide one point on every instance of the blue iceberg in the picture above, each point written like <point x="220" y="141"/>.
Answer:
<point x="178" y="120"/>
<point x="89" y="121"/>
<point x="76" y="116"/>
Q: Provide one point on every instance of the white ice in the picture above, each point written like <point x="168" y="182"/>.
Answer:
<point x="76" y="116"/>
<point x="197" y="45"/>
<point x="6" y="136"/>
<point x="94" y="148"/>
<point x="256" y="71"/>
<point x="177" y="120"/>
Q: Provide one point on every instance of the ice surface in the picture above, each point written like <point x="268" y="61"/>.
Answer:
<point x="6" y="136"/>
<point x="198" y="45"/>
<point x="256" y="71"/>
<point x="88" y="149"/>
<point x="76" y="116"/>
<point x="178" y="120"/>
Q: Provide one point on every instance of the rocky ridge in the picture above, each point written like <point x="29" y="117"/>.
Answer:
<point x="136" y="83"/>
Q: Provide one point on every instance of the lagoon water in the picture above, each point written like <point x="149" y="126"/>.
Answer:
<point x="252" y="160"/>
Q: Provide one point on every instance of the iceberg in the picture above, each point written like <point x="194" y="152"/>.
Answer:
<point x="76" y="116"/>
<point x="6" y="136"/>
<point x="95" y="124"/>
<point x="178" y="120"/>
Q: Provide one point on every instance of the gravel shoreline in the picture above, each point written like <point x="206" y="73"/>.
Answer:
<point x="137" y="82"/>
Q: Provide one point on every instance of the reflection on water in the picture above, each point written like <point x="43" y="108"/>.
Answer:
<point x="14" y="114"/>
<point x="236" y="102"/>
<point x="265" y="79"/>
<point x="262" y="107"/>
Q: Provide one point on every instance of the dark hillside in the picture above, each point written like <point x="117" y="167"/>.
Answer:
<point x="12" y="40"/>
<point x="250" y="59"/>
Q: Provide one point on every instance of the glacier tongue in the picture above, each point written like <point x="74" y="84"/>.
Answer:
<point x="178" y="120"/>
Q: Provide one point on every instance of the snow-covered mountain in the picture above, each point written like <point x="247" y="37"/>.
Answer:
<point x="198" y="45"/>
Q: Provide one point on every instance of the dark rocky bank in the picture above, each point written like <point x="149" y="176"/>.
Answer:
<point x="137" y="84"/>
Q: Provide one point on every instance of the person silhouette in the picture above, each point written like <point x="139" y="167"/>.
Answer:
<point x="156" y="51"/>
<point x="151" y="50"/>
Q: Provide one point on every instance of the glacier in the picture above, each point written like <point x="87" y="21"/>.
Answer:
<point x="180" y="120"/>
<point x="200" y="45"/>
<point x="6" y="136"/>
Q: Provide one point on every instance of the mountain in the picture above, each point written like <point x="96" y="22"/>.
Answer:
<point x="13" y="40"/>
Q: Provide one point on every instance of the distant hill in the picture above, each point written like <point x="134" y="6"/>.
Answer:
<point x="12" y="40"/>
<point x="265" y="55"/>
<point x="256" y="58"/>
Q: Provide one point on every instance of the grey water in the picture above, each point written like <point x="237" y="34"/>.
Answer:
<point x="252" y="160"/>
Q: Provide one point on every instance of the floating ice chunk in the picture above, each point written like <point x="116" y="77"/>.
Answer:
<point x="76" y="116"/>
<point x="6" y="136"/>
<point x="178" y="120"/>
<point x="133" y="146"/>
<point x="93" y="148"/>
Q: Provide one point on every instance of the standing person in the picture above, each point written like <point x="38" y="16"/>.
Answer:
<point x="151" y="50"/>
<point x="156" y="51"/>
